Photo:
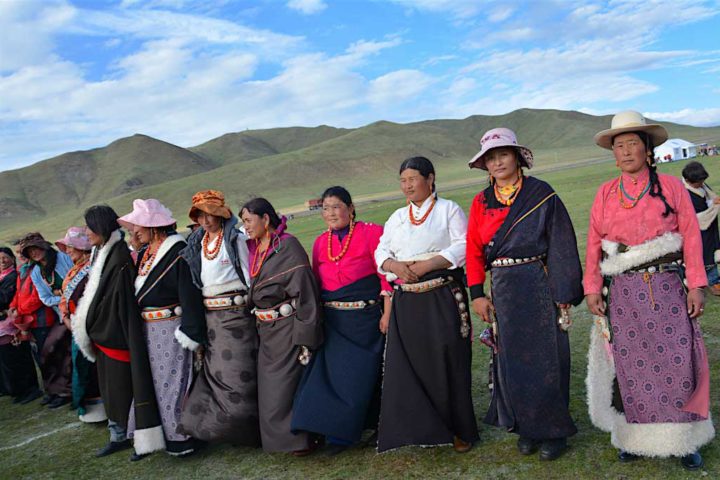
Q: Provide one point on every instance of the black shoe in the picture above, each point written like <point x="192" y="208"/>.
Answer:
<point x="694" y="461"/>
<point x="47" y="399"/>
<point x="113" y="447"/>
<point x="333" y="449"/>
<point x="552" y="449"/>
<point x="58" y="402"/>
<point x="32" y="396"/>
<point x="626" y="457"/>
<point x="136" y="457"/>
<point x="527" y="446"/>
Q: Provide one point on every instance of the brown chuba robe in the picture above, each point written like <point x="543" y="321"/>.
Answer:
<point x="285" y="276"/>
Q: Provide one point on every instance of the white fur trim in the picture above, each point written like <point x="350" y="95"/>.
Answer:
<point x="185" y="341"/>
<point x="645" y="439"/>
<point x="617" y="263"/>
<point x="167" y="244"/>
<point x="94" y="413"/>
<point x="149" y="440"/>
<point x="215" y="290"/>
<point x="717" y="256"/>
<point x="79" y="319"/>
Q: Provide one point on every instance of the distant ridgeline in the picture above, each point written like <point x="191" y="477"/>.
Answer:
<point x="287" y="165"/>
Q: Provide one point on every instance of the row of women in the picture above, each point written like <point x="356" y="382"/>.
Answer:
<point x="234" y="335"/>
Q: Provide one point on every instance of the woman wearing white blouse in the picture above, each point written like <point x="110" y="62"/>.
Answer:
<point x="428" y="354"/>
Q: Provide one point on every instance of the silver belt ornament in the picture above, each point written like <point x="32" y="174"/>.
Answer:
<point x="509" y="262"/>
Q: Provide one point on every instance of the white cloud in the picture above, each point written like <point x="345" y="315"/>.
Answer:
<point x="307" y="7"/>
<point x="699" y="117"/>
<point x="398" y="86"/>
<point x="500" y="14"/>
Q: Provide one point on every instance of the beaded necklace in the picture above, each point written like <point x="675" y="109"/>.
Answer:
<point x="511" y="190"/>
<point x="633" y="201"/>
<point x="254" y="267"/>
<point x="424" y="217"/>
<point x="147" y="261"/>
<point x="344" y="247"/>
<point x="212" y="253"/>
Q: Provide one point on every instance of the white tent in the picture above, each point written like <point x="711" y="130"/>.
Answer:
<point x="675" y="149"/>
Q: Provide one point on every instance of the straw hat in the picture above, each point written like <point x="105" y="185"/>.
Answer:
<point x="630" y="121"/>
<point x="211" y="202"/>
<point x="76" y="237"/>
<point x="496" y="138"/>
<point x="147" y="213"/>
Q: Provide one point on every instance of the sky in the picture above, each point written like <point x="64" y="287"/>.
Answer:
<point x="78" y="74"/>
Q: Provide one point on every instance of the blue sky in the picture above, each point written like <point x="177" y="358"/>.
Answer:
<point x="79" y="74"/>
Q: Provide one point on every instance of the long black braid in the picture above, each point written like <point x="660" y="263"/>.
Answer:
<point x="655" y="187"/>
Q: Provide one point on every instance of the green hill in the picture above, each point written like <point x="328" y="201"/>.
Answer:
<point x="286" y="165"/>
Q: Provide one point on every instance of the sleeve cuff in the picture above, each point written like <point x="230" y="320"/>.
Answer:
<point x="477" y="291"/>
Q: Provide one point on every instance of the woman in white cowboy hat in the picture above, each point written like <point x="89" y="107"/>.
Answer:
<point x="173" y="314"/>
<point x="521" y="233"/>
<point x="648" y="377"/>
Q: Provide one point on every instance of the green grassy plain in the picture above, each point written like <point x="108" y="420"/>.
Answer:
<point x="67" y="449"/>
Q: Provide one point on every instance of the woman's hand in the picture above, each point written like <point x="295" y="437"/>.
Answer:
<point x="384" y="322"/>
<point x="403" y="271"/>
<point x="57" y="292"/>
<point x="695" y="302"/>
<point x="483" y="307"/>
<point x="595" y="304"/>
<point x="421" y="268"/>
<point x="67" y="322"/>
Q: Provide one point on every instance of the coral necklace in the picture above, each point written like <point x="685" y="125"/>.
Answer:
<point x="212" y="253"/>
<point x="344" y="247"/>
<point x="633" y="200"/>
<point x="424" y="217"/>
<point x="254" y="266"/>
<point x="509" y="191"/>
<point x="147" y="261"/>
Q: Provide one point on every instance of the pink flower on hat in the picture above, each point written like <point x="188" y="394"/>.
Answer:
<point x="500" y="137"/>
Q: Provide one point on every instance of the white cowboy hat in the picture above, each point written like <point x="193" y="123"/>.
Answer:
<point x="631" y="121"/>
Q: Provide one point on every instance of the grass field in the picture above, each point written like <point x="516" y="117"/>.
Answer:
<point x="38" y="443"/>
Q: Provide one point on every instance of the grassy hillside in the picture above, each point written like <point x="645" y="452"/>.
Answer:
<point x="287" y="165"/>
<point x="41" y="443"/>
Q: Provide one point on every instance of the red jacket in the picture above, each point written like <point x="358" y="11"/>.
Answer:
<point x="27" y="302"/>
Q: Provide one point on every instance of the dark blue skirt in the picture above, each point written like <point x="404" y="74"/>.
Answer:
<point x="337" y="388"/>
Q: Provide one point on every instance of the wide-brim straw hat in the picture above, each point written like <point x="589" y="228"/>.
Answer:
<point x="211" y="202"/>
<point x="148" y="213"/>
<point x="75" y="237"/>
<point x="33" y="239"/>
<point x="500" y="137"/>
<point x="631" y="121"/>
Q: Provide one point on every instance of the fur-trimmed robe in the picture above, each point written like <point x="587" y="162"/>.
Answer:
<point x="108" y="315"/>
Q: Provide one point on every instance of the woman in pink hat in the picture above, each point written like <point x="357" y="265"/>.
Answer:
<point x="173" y="314"/>
<point x="648" y="376"/>
<point x="520" y="231"/>
<point x="85" y="390"/>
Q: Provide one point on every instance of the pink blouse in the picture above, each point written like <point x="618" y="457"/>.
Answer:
<point x="633" y="226"/>
<point x="358" y="262"/>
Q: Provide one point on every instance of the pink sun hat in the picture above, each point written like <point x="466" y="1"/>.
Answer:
<point x="76" y="237"/>
<point x="500" y="137"/>
<point x="147" y="213"/>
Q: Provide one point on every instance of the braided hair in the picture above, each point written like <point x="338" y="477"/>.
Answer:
<point x="655" y="187"/>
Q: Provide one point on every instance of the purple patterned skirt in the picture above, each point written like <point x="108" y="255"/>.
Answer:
<point x="658" y="350"/>
<point x="171" y="367"/>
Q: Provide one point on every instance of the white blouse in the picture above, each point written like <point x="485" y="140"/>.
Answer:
<point x="443" y="233"/>
<point x="220" y="270"/>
